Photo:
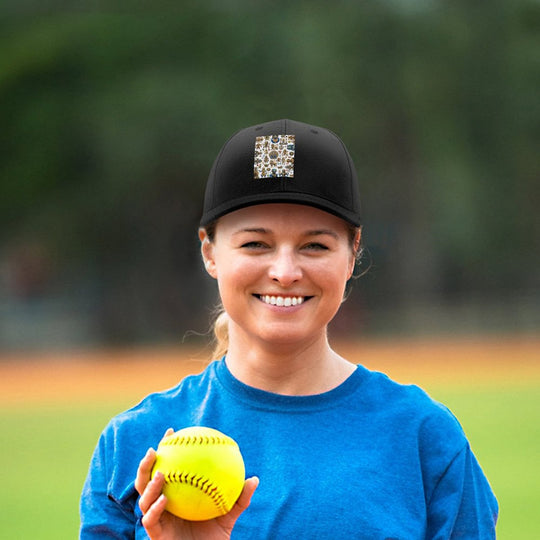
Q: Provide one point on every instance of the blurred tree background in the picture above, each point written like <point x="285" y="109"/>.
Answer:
<point x="111" y="119"/>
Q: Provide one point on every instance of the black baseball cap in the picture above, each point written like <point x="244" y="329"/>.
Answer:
<point x="283" y="161"/>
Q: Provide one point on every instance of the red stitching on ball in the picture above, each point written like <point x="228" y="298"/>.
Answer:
<point x="201" y="483"/>
<point x="195" y="439"/>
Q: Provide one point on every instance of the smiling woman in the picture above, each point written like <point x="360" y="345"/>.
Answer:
<point x="340" y="451"/>
<point x="281" y="271"/>
<point x="315" y="242"/>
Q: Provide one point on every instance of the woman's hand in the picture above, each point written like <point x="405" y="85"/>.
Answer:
<point x="160" y="524"/>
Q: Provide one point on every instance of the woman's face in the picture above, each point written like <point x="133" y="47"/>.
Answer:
<point x="281" y="270"/>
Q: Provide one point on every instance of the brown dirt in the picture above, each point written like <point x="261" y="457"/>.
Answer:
<point x="128" y="375"/>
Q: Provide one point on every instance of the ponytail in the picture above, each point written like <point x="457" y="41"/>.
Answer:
<point x="221" y="334"/>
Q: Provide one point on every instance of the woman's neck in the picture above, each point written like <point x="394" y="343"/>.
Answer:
<point x="289" y="369"/>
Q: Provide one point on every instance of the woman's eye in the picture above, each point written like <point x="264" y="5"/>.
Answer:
<point x="316" y="246"/>
<point x="253" y="245"/>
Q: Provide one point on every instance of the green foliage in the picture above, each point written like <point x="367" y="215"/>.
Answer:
<point x="111" y="120"/>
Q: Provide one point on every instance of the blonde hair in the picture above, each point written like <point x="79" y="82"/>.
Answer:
<point x="221" y="334"/>
<point x="221" y="320"/>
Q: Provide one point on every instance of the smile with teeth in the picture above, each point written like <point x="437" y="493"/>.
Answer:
<point x="285" y="301"/>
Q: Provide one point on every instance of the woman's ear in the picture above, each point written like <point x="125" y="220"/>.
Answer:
<point x="207" y="252"/>
<point x="355" y="252"/>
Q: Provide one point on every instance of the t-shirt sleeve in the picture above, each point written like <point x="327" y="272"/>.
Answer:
<point x="103" y="513"/>
<point x="462" y="504"/>
<point x="459" y="501"/>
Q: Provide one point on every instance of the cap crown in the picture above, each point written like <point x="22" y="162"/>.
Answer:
<point x="283" y="161"/>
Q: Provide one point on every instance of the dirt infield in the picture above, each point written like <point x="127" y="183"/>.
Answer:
<point x="82" y="376"/>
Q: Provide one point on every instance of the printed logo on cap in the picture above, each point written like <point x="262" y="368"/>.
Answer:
<point x="274" y="156"/>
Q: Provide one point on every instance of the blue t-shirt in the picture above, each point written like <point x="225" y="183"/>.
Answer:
<point x="370" y="459"/>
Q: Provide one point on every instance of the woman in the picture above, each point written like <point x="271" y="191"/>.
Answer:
<point x="332" y="450"/>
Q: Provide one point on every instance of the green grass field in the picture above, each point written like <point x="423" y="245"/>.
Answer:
<point x="46" y="449"/>
<point x="503" y="426"/>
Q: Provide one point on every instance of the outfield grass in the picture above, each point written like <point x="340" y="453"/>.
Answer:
<point x="46" y="449"/>
<point x="45" y="455"/>
<point x="503" y="426"/>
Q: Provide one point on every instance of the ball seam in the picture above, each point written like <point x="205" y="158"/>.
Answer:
<point x="195" y="439"/>
<point x="199" y="482"/>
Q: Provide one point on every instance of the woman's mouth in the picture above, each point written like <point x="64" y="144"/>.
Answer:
<point x="282" y="301"/>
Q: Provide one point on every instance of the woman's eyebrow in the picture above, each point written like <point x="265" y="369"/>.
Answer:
<point x="260" y="230"/>
<point x="320" y="232"/>
<point x="314" y="232"/>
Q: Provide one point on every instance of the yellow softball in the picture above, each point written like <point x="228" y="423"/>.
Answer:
<point x="204" y="472"/>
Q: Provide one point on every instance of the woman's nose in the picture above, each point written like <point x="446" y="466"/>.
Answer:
<point x="285" y="268"/>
